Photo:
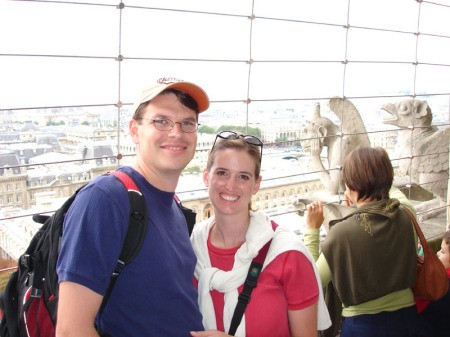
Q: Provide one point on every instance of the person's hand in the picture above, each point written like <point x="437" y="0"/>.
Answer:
<point x="314" y="216"/>
<point x="208" y="333"/>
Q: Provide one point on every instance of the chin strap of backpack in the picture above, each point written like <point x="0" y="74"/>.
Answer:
<point x="250" y="283"/>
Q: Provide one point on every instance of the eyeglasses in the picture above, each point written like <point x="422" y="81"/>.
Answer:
<point x="164" y="124"/>
<point x="252" y="140"/>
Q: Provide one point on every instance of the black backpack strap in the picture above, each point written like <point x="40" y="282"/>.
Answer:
<point x="134" y="237"/>
<point x="188" y="213"/>
<point x="250" y="283"/>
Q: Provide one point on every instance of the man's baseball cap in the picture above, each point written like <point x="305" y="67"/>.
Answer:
<point x="193" y="90"/>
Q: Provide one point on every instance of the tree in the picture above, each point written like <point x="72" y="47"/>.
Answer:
<point x="192" y="169"/>
<point x="281" y="139"/>
<point x="206" y="129"/>
<point x="241" y="130"/>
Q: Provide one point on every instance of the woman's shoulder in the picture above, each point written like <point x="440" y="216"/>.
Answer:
<point x="284" y="235"/>
<point x="286" y="243"/>
<point x="292" y="255"/>
<point x="343" y="225"/>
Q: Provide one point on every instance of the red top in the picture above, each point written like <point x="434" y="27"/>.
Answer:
<point x="287" y="283"/>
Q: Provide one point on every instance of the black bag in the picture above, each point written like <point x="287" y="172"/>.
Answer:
<point x="31" y="295"/>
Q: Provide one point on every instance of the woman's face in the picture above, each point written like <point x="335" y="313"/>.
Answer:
<point x="231" y="182"/>
<point x="444" y="254"/>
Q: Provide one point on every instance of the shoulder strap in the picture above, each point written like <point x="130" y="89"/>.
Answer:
<point x="250" y="283"/>
<point x="188" y="213"/>
<point x="134" y="238"/>
<point x="420" y="235"/>
<point x="137" y="225"/>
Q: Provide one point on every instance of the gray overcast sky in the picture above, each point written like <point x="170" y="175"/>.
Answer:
<point x="93" y="31"/>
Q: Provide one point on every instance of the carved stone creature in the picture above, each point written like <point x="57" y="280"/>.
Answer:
<point x="321" y="132"/>
<point x="427" y="144"/>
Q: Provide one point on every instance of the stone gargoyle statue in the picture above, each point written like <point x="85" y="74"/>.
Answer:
<point x="426" y="143"/>
<point x="321" y="132"/>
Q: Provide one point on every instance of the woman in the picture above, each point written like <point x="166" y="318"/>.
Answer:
<point x="370" y="254"/>
<point x="286" y="299"/>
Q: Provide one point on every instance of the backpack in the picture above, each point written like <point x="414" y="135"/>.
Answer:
<point x="31" y="295"/>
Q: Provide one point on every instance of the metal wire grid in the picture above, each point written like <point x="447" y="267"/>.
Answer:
<point x="250" y="62"/>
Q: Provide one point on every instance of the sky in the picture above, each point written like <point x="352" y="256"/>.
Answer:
<point x="297" y="49"/>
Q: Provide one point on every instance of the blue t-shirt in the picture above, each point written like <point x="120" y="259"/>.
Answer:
<point x="154" y="295"/>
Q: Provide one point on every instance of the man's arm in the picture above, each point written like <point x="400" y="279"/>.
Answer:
<point x="77" y="309"/>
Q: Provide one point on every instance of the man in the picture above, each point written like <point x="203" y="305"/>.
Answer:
<point x="154" y="295"/>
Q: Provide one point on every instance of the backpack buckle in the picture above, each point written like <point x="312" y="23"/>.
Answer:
<point x="25" y="260"/>
<point x="35" y="292"/>
<point x="244" y="297"/>
<point x="119" y="268"/>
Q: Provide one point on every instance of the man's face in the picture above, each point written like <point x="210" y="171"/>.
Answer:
<point x="164" y="152"/>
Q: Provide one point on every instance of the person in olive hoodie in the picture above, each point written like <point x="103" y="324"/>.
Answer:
<point x="370" y="254"/>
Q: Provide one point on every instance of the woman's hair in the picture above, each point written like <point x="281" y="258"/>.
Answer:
<point x="236" y="144"/>
<point x="368" y="171"/>
<point x="183" y="98"/>
<point x="446" y="238"/>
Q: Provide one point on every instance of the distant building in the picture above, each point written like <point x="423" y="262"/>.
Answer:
<point x="13" y="187"/>
<point x="103" y="154"/>
<point x="9" y="136"/>
<point x="385" y="139"/>
<point x="29" y="126"/>
<point x="48" y="139"/>
<point x="27" y="150"/>
<point x="270" y="133"/>
<point x="204" y="144"/>
<point x="7" y="160"/>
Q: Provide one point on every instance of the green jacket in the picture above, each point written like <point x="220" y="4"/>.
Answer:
<point x="370" y="255"/>
<point x="371" y="252"/>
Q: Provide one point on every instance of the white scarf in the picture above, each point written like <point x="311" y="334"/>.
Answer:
<point x="258" y="234"/>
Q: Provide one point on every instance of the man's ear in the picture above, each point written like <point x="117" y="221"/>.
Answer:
<point x="205" y="177"/>
<point x="134" y="131"/>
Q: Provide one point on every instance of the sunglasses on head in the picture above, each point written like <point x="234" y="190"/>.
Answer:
<point x="252" y="140"/>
